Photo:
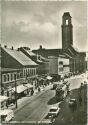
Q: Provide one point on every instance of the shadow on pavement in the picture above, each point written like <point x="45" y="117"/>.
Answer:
<point x="53" y="101"/>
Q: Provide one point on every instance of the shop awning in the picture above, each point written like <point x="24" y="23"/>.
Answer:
<point x="3" y="98"/>
<point x="20" y="88"/>
<point x="28" y="86"/>
<point x="49" y="77"/>
<point x="5" y="111"/>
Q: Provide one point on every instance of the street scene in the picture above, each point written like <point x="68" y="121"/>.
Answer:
<point x="40" y="105"/>
<point x="44" y="71"/>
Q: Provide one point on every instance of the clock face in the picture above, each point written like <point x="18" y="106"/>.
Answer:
<point x="66" y="22"/>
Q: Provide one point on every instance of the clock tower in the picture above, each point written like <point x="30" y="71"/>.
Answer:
<point x="67" y="31"/>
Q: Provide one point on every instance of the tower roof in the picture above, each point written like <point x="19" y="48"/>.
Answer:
<point x="66" y="14"/>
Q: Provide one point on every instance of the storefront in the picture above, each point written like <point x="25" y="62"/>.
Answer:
<point x="21" y="90"/>
<point x="3" y="102"/>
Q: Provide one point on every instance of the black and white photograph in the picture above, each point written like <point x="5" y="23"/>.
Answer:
<point x="43" y="62"/>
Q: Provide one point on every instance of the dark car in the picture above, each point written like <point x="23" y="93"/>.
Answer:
<point x="54" y="86"/>
<point x="55" y="78"/>
<point x="72" y="102"/>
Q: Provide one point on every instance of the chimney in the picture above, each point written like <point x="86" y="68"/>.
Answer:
<point x="18" y="49"/>
<point x="12" y="48"/>
<point x="5" y="46"/>
<point x="40" y="47"/>
<point x="26" y="48"/>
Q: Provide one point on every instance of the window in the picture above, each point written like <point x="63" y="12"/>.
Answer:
<point x="60" y="63"/>
<point x="8" y="77"/>
<point x="11" y="77"/>
<point x="4" y="78"/>
<point x="28" y="72"/>
<point x="14" y="76"/>
<point x="21" y="75"/>
<point x="35" y="71"/>
<point x="17" y="75"/>
<point x="32" y="71"/>
<point x="24" y="73"/>
<point x="61" y="69"/>
<point x="66" y="22"/>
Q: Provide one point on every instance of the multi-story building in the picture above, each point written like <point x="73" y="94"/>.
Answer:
<point x="43" y="65"/>
<point x="16" y="67"/>
<point x="57" y="62"/>
<point x="59" y="65"/>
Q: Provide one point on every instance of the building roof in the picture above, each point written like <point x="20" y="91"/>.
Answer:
<point x="20" y="57"/>
<point x="34" y="56"/>
<point x="49" y="52"/>
<point x="30" y="53"/>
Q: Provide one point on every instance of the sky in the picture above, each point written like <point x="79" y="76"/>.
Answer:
<point x="34" y="23"/>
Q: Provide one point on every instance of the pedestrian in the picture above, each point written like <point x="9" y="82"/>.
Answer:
<point x="80" y="100"/>
<point x="52" y="119"/>
<point x="68" y="92"/>
<point x="38" y="89"/>
<point x="32" y="92"/>
<point x="7" y="104"/>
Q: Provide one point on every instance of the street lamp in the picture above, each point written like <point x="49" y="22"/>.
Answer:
<point x="74" y="65"/>
<point x="16" y="92"/>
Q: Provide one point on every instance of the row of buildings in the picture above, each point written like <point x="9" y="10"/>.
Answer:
<point x="26" y="66"/>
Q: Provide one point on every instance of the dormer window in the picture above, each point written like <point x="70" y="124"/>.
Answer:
<point x="66" y="22"/>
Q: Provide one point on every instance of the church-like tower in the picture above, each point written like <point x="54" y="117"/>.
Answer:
<point x="67" y="30"/>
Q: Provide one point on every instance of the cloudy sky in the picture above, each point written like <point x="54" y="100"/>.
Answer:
<point x="39" y="23"/>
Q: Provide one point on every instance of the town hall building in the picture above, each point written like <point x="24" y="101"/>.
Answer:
<point x="76" y="59"/>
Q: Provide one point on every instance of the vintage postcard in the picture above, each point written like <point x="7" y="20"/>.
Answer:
<point x="43" y="62"/>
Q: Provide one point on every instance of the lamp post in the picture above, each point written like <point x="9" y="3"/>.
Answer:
<point x="74" y="65"/>
<point x="16" y="92"/>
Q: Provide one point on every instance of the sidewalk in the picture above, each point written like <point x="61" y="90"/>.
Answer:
<point x="73" y="115"/>
<point x="25" y="100"/>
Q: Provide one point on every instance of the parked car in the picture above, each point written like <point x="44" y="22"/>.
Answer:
<point x="54" y="111"/>
<point x="55" y="84"/>
<point x="72" y="102"/>
<point x="6" y="115"/>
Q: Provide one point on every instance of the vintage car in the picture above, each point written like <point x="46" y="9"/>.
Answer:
<point x="54" y="111"/>
<point x="72" y="102"/>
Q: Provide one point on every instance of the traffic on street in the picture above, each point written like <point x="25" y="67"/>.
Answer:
<point x="45" y="107"/>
